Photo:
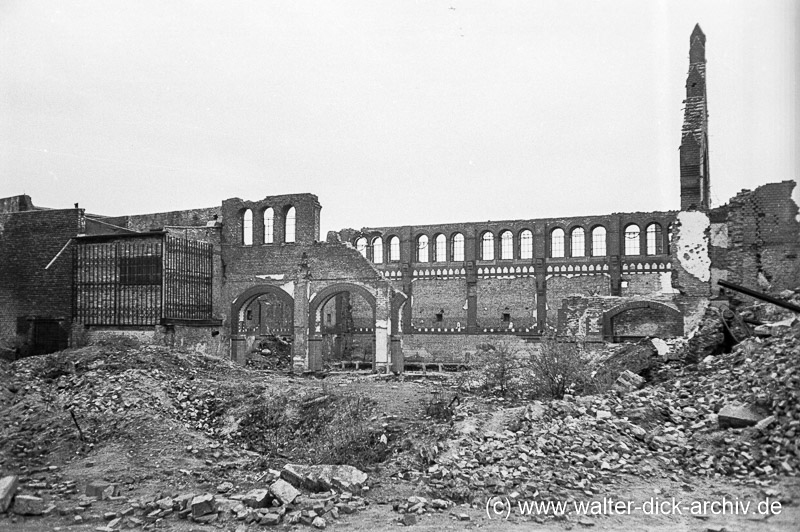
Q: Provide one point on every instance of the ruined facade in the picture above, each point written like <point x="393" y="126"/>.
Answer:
<point x="228" y="278"/>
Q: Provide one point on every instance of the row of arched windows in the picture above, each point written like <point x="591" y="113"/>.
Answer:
<point x="654" y="242"/>
<point x="437" y="249"/>
<point x="290" y="223"/>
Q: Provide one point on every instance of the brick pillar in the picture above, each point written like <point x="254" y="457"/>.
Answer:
<point x="300" y="346"/>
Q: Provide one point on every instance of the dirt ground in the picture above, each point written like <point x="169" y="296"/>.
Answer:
<point x="175" y="438"/>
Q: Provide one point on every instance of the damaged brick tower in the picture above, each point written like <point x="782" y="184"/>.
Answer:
<point x="695" y="178"/>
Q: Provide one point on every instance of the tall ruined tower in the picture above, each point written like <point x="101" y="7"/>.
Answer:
<point x="695" y="178"/>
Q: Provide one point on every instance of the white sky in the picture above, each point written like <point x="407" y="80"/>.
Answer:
<point x="393" y="113"/>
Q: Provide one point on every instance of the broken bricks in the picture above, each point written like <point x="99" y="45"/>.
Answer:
<point x="102" y="490"/>
<point x="8" y="486"/>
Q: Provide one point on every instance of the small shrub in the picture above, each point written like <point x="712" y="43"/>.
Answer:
<point x="559" y="367"/>
<point x="496" y="367"/>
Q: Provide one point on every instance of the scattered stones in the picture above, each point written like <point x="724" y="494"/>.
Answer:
<point x="202" y="505"/>
<point x="738" y="416"/>
<point x="102" y="490"/>
<point x="283" y="491"/>
<point x="628" y="381"/>
<point x="28" y="505"/>
<point x="8" y="486"/>
<point x="325" y="477"/>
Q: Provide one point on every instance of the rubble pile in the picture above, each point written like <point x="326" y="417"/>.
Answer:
<point x="686" y="424"/>
<point x="279" y="502"/>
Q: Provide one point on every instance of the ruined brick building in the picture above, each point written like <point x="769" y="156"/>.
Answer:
<point x="224" y="278"/>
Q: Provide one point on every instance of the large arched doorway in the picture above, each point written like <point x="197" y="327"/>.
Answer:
<point x="342" y="324"/>
<point x="262" y="324"/>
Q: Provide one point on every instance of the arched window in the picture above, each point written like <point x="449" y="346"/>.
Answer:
<point x="422" y="248"/>
<point x="506" y="245"/>
<point x="599" y="241"/>
<point x="361" y="246"/>
<point x="377" y="250"/>
<point x="578" y="242"/>
<point x="526" y="245"/>
<point x="632" y="246"/>
<point x="394" y="249"/>
<point x="655" y="241"/>
<point x="247" y="228"/>
<point x="557" y="242"/>
<point x="487" y="246"/>
<point x="457" y="248"/>
<point x="269" y="226"/>
<point x="441" y="248"/>
<point x="290" y="224"/>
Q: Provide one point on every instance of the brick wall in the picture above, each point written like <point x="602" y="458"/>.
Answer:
<point x="29" y="240"/>
<point x="764" y="238"/>
<point x="653" y="322"/>
<point x="516" y="297"/>
<point x="432" y="296"/>
<point x="560" y="287"/>
<point x="160" y="220"/>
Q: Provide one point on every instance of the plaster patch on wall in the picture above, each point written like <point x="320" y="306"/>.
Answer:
<point x="692" y="244"/>
<point x="666" y="284"/>
<point x="273" y="276"/>
<point x="288" y="288"/>
<point x="719" y="235"/>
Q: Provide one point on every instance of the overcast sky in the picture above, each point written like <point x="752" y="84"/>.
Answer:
<point x="392" y="112"/>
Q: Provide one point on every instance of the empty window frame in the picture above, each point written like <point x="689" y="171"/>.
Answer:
<point x="578" y="242"/>
<point x="557" y="242"/>
<point x="599" y="241"/>
<point x="655" y="239"/>
<point x="247" y="227"/>
<point x="361" y="246"/>
<point x="506" y="245"/>
<point x="422" y="248"/>
<point x="487" y="246"/>
<point x="291" y="221"/>
<point x="526" y="245"/>
<point x="394" y="249"/>
<point x="632" y="245"/>
<point x="440" y="249"/>
<point x="457" y="248"/>
<point x="377" y="250"/>
<point x="269" y="226"/>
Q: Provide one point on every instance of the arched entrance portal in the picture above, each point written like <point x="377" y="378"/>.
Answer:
<point x="262" y="323"/>
<point x="342" y="327"/>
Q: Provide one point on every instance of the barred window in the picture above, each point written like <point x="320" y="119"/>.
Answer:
<point x="140" y="270"/>
<point x="457" y="253"/>
<point x="247" y="228"/>
<point x="269" y="226"/>
<point x="632" y="246"/>
<point x="506" y="245"/>
<point x="599" y="241"/>
<point x="487" y="246"/>
<point x="655" y="241"/>
<point x="526" y="245"/>
<point x="578" y="242"/>
<point x="557" y="242"/>
<point x="440" y="248"/>
<point x="422" y="248"/>
<point x="377" y="250"/>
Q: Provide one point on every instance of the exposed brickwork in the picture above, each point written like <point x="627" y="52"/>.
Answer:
<point x="162" y="220"/>
<point x="694" y="164"/>
<point x="29" y="240"/>
<point x="764" y="238"/>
